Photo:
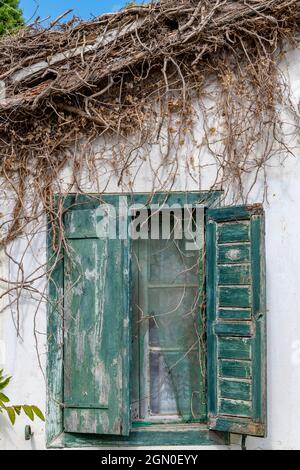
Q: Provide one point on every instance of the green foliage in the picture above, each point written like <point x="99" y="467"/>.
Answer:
<point x="130" y="5"/>
<point x="11" y="16"/>
<point x="13" y="411"/>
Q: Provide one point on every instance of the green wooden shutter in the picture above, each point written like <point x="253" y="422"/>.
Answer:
<point x="96" y="329"/>
<point x="236" y="323"/>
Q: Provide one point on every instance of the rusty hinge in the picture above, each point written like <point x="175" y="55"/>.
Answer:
<point x="244" y="440"/>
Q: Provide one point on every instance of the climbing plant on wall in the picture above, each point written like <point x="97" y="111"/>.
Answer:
<point x="137" y="81"/>
<point x="142" y="77"/>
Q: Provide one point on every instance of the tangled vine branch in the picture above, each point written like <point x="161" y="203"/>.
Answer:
<point x="138" y="78"/>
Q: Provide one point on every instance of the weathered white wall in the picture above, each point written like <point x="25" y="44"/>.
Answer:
<point x="283" y="280"/>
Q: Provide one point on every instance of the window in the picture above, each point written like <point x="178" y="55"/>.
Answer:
<point x="168" y="379"/>
<point x="148" y="334"/>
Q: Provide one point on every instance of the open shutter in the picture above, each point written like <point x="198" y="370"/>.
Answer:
<point x="96" y="328"/>
<point x="236" y="324"/>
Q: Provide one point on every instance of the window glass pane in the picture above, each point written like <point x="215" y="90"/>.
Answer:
<point x="171" y="263"/>
<point x="174" y="381"/>
<point x="173" y="317"/>
<point x="162" y="396"/>
<point x="168" y="374"/>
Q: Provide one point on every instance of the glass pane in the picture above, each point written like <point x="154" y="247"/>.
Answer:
<point x="171" y="263"/>
<point x="168" y="377"/>
<point x="162" y="396"/>
<point x="174" y="315"/>
<point x="175" y="383"/>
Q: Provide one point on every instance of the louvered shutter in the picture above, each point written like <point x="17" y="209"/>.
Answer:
<point x="236" y="320"/>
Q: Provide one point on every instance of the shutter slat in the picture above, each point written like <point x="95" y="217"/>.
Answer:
<point x="234" y="275"/>
<point x="236" y="320"/>
<point x="234" y="296"/>
<point x="235" y="232"/>
<point x="233" y="348"/>
<point x="232" y="254"/>
<point x="234" y="314"/>
<point x="235" y="408"/>
<point x="234" y="329"/>
<point x="235" y="369"/>
<point x="235" y="390"/>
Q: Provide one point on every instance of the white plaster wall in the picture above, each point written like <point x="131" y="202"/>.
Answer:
<point x="283" y="281"/>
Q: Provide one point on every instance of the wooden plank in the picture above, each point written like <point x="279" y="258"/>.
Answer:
<point x="152" y="435"/>
<point x="237" y="425"/>
<point x="81" y="224"/>
<point x="84" y="406"/>
<point x="234" y="329"/>
<point x="235" y="408"/>
<point x="96" y="335"/>
<point x="212" y="345"/>
<point x="234" y="213"/>
<point x="234" y="232"/>
<point x="259" y="313"/>
<point x="234" y="254"/>
<point x="55" y="325"/>
<point x="235" y="297"/>
<point x="235" y="390"/>
<point x="235" y="369"/>
<point x="84" y="322"/>
<point x="234" y="348"/>
<point x="101" y="41"/>
<point x="234" y="275"/>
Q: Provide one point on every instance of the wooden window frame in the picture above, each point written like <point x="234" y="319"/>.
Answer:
<point x="142" y="434"/>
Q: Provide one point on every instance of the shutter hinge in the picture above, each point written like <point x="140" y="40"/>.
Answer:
<point x="243" y="444"/>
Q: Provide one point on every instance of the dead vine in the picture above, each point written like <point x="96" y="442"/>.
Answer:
<point x="136" y="79"/>
<point x="122" y="71"/>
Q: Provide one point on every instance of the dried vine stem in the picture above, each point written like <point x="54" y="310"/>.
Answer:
<point x="142" y="70"/>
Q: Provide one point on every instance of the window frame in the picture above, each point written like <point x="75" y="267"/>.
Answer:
<point x="142" y="434"/>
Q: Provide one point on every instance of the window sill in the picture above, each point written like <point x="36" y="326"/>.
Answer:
<point x="155" y="435"/>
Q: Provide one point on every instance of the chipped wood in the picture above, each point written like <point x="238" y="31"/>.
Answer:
<point x="236" y="320"/>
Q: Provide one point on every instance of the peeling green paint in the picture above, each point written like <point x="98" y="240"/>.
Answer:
<point x="236" y="320"/>
<point x="149" y="435"/>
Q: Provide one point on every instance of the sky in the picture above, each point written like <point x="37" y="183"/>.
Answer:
<point x="83" y="8"/>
